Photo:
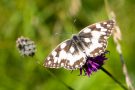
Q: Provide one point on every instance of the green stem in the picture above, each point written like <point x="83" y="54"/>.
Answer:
<point x="109" y="74"/>
<point x="53" y="75"/>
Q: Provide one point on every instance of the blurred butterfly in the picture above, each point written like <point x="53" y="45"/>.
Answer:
<point x="89" y="42"/>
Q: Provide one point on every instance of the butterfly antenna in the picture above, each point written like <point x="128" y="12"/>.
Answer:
<point x="67" y="33"/>
<point x="57" y="34"/>
<point x="73" y="26"/>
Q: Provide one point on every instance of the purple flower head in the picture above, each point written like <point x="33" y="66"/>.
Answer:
<point x="93" y="64"/>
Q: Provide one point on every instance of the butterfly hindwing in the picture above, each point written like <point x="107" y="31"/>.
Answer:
<point x="94" y="37"/>
<point x="65" y="55"/>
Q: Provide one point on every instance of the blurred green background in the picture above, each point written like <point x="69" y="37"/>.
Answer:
<point x="41" y="20"/>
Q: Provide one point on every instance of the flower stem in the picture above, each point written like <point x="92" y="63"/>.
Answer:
<point x="109" y="74"/>
<point x="54" y="76"/>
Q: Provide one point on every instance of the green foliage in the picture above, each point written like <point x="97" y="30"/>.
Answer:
<point x="40" y="20"/>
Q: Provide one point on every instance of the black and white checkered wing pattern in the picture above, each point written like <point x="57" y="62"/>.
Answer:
<point x="89" y="42"/>
<point x="94" y="37"/>
<point x="66" y="55"/>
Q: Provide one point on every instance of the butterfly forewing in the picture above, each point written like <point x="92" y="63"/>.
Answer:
<point x="65" y="55"/>
<point x="94" y="37"/>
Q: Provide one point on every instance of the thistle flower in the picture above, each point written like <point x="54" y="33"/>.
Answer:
<point x="25" y="46"/>
<point x="93" y="64"/>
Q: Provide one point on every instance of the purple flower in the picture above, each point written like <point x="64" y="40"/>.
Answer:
<point x="93" y="64"/>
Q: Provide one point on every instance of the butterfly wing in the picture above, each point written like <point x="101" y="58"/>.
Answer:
<point x="94" y="37"/>
<point x="66" y="55"/>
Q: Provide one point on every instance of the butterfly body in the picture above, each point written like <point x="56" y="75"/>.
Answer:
<point x="77" y="41"/>
<point x="89" y="42"/>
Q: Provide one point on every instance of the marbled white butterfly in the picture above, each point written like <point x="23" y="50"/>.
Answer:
<point x="89" y="42"/>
